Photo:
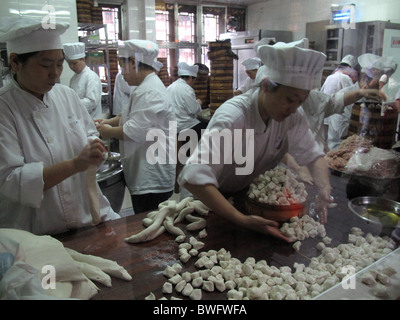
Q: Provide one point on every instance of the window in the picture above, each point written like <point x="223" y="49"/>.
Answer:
<point x="112" y="18"/>
<point x="177" y="27"/>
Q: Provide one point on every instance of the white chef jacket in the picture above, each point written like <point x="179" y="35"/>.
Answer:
<point x="318" y="106"/>
<point x="35" y="134"/>
<point x="336" y="82"/>
<point x="271" y="142"/>
<point x="339" y="123"/>
<point x="182" y="98"/>
<point x="87" y="85"/>
<point x="122" y="92"/>
<point x="148" y="110"/>
<point x="247" y="84"/>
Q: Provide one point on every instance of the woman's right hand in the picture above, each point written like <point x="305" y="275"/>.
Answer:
<point x="92" y="154"/>
<point x="265" y="226"/>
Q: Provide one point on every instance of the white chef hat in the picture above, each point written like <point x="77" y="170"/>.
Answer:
<point x="144" y="51"/>
<point x="389" y="65"/>
<point x="27" y="34"/>
<point x="74" y="51"/>
<point x="371" y="64"/>
<point x="291" y="64"/>
<point x="252" y="63"/>
<point x="349" y="60"/>
<point x="157" y="65"/>
<point x="186" y="70"/>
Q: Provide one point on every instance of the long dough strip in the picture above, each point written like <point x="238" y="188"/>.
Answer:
<point x="196" y="222"/>
<point x="105" y="265"/>
<point x="199" y="207"/>
<point x="171" y="228"/>
<point x="148" y="233"/>
<point x="183" y="214"/>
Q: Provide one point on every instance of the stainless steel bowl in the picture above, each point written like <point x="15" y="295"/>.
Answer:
<point x="376" y="210"/>
<point x="110" y="178"/>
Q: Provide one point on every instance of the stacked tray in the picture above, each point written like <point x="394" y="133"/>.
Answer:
<point x="97" y="15"/>
<point x="113" y="60"/>
<point x="221" y="79"/>
<point x="84" y="11"/>
<point x="201" y="85"/>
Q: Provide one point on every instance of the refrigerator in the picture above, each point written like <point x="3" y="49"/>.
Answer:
<point x="243" y="46"/>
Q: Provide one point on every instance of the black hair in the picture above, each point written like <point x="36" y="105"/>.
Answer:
<point x="24" y="57"/>
<point x="186" y="77"/>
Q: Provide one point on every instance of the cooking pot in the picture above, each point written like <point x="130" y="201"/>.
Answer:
<point x="110" y="178"/>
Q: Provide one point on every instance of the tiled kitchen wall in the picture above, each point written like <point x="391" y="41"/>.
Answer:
<point x="292" y="14"/>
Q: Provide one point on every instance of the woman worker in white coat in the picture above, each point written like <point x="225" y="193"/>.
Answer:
<point x="267" y="116"/>
<point x="372" y="68"/>
<point x="251" y="66"/>
<point x="183" y="100"/>
<point x="48" y="171"/>
<point x="149" y="181"/>
<point x="85" y="82"/>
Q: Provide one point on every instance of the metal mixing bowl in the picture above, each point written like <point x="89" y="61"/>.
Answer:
<point x="376" y="210"/>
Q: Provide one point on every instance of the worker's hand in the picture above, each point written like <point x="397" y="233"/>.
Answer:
<point x="265" y="226"/>
<point x="371" y="94"/>
<point x="321" y="205"/>
<point x="104" y="130"/>
<point x="305" y="175"/>
<point x="92" y="154"/>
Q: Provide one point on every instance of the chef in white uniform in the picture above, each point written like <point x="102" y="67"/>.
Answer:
<point x="372" y="68"/>
<point x="149" y="181"/>
<point x="343" y="76"/>
<point x="122" y="92"/>
<point x="251" y="66"/>
<point x="49" y="141"/>
<point x="268" y="116"/>
<point x="85" y="82"/>
<point x="182" y="97"/>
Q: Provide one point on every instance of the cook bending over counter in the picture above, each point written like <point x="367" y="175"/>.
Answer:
<point x="270" y="111"/>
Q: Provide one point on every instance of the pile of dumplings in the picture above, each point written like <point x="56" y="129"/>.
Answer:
<point x="277" y="187"/>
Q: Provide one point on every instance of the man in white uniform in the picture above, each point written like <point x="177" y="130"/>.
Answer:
<point x="372" y="68"/>
<point x="122" y="92"/>
<point x="182" y="97"/>
<point x="251" y="66"/>
<point x="267" y="116"/>
<point x="149" y="182"/>
<point x="48" y="171"/>
<point x="343" y="76"/>
<point x="85" y="82"/>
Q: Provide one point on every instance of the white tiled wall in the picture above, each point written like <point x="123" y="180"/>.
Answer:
<point x="292" y="14"/>
<point x="140" y="20"/>
<point x="65" y="11"/>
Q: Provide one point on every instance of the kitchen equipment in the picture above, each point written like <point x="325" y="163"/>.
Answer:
<point x="376" y="210"/>
<point x="369" y="119"/>
<point x="110" y="178"/>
